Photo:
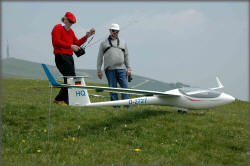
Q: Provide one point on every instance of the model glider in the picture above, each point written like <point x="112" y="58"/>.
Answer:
<point x="183" y="98"/>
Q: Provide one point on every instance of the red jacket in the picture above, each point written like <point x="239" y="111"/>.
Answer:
<point x="63" y="39"/>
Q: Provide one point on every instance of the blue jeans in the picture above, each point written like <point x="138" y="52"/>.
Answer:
<point x="117" y="76"/>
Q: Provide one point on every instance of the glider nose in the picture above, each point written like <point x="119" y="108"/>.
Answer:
<point x="228" y="98"/>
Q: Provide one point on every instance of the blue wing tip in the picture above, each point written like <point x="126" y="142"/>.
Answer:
<point x="50" y="76"/>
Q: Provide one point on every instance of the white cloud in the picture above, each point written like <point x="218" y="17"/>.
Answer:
<point x="142" y="26"/>
<point x="178" y="23"/>
<point x="188" y="20"/>
<point x="187" y="17"/>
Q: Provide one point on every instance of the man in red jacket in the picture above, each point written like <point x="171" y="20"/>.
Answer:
<point x="64" y="43"/>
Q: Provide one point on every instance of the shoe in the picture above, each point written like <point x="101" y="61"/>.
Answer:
<point x="116" y="106"/>
<point x="60" y="102"/>
<point x="128" y="107"/>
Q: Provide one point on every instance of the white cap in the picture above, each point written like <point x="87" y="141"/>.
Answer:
<point x="115" y="27"/>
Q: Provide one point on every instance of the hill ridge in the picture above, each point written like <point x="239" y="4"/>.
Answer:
<point x="19" y="68"/>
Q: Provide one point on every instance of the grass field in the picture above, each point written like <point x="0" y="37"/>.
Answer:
<point x="151" y="135"/>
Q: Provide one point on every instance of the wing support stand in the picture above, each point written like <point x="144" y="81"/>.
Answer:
<point x="181" y="110"/>
<point x="50" y="104"/>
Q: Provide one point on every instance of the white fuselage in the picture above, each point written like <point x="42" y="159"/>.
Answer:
<point x="191" y="98"/>
<point x="181" y="101"/>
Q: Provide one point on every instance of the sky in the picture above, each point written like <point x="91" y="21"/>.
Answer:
<point x="187" y="42"/>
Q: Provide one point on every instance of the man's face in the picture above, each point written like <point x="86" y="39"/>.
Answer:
<point x="114" y="33"/>
<point x="67" y="22"/>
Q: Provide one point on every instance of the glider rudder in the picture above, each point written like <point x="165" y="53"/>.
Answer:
<point x="51" y="79"/>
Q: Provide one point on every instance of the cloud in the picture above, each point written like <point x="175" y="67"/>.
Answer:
<point x="188" y="20"/>
<point x="178" y="23"/>
<point x="141" y="25"/>
<point x="187" y="17"/>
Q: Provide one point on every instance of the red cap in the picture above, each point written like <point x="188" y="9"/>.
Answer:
<point x="70" y="16"/>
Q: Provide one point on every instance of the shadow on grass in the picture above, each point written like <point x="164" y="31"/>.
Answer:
<point x="127" y="117"/>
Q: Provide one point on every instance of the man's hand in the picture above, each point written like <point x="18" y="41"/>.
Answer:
<point x="100" y="75"/>
<point x="90" y="32"/>
<point x="75" y="48"/>
<point x="128" y="72"/>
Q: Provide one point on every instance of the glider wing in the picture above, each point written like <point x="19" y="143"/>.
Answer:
<point x="54" y="83"/>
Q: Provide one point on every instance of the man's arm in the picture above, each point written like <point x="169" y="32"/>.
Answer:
<point x="84" y="38"/>
<point x="100" y="61"/>
<point x="126" y="60"/>
<point x="80" y="41"/>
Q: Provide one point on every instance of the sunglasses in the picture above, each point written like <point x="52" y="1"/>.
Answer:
<point x="70" y="21"/>
<point x="114" y="31"/>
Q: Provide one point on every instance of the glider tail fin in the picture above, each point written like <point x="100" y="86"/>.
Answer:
<point x="77" y="96"/>
<point x="51" y="79"/>
<point x="219" y="84"/>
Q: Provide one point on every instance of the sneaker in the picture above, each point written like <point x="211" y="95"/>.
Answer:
<point x="128" y="107"/>
<point x="60" y="102"/>
<point x="116" y="106"/>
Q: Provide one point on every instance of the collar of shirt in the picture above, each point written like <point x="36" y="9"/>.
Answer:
<point x="67" y="29"/>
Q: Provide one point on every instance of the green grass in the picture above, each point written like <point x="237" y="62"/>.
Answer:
<point x="105" y="136"/>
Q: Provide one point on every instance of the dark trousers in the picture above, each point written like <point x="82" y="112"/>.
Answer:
<point x="65" y="64"/>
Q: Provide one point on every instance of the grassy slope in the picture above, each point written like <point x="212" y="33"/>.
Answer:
<point x="104" y="135"/>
